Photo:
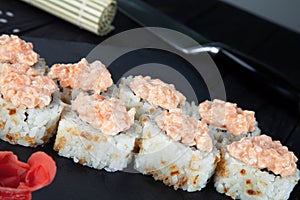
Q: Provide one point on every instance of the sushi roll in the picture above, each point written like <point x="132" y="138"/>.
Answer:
<point x="95" y="131"/>
<point x="257" y="168"/>
<point x="177" y="150"/>
<point x="174" y="147"/>
<point x="227" y="122"/>
<point x="30" y="106"/>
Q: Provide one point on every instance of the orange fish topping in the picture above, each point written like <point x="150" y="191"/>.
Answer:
<point x="262" y="152"/>
<point x="15" y="50"/>
<point x="189" y="131"/>
<point x="23" y="85"/>
<point x="82" y="75"/>
<point x="157" y="92"/>
<point x="108" y="115"/>
<point x="227" y="115"/>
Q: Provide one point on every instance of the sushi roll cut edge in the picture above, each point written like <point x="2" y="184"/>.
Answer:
<point x="239" y="180"/>
<point x="175" y="164"/>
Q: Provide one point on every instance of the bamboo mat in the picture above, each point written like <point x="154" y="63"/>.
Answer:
<point x="93" y="15"/>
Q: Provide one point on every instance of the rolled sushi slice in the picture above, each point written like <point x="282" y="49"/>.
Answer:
<point x="257" y="168"/>
<point x="97" y="132"/>
<point x="177" y="150"/>
<point x="227" y="122"/>
<point x="30" y="106"/>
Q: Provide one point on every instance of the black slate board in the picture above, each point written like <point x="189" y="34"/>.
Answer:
<point x="74" y="181"/>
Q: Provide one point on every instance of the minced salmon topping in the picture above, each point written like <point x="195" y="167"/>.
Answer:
<point x="262" y="152"/>
<point x="189" y="131"/>
<point x="157" y="92"/>
<point x="227" y="115"/>
<point x="15" y="50"/>
<point x="82" y="75"/>
<point x="23" y="85"/>
<point x="108" y="115"/>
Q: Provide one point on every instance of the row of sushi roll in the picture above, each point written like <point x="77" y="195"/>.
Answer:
<point x="30" y="105"/>
<point x="141" y="121"/>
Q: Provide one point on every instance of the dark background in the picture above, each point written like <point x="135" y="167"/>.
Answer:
<point x="59" y="41"/>
<point x="216" y="20"/>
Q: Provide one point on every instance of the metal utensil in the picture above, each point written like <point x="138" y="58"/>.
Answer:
<point x="147" y="16"/>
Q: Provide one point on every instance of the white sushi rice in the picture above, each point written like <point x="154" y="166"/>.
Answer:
<point x="240" y="181"/>
<point x="41" y="66"/>
<point x="172" y="162"/>
<point x="29" y="127"/>
<point x="223" y="137"/>
<point x="86" y="145"/>
<point x="190" y="110"/>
